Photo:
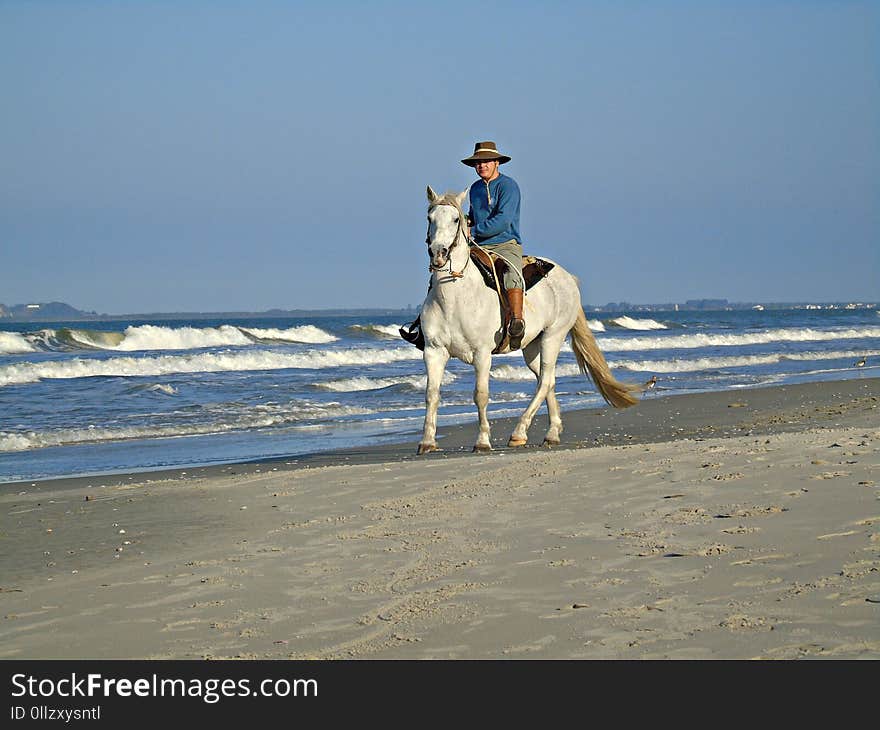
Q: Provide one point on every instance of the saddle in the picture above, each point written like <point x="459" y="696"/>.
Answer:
<point x="492" y="268"/>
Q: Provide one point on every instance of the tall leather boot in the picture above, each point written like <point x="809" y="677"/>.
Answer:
<point x="516" y="328"/>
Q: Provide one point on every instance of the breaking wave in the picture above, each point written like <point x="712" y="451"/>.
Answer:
<point x="621" y="344"/>
<point x="307" y="333"/>
<point x="76" y="339"/>
<point x="378" y="330"/>
<point x="596" y="325"/>
<point x="30" y="372"/>
<point x="13" y="343"/>
<point x="350" y="385"/>
<point x="637" y="324"/>
<point x="681" y="365"/>
<point x="156" y="337"/>
<point x="514" y="372"/>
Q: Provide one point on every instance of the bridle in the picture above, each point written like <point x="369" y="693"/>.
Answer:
<point x="459" y="233"/>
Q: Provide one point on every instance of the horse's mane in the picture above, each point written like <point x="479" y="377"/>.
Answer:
<point x="448" y="198"/>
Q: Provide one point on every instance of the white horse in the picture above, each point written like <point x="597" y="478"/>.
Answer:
<point x="461" y="317"/>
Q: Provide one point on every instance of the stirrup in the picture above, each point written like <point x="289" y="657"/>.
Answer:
<point x="516" y="328"/>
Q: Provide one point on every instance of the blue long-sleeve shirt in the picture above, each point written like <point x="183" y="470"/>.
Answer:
<point x="494" y="213"/>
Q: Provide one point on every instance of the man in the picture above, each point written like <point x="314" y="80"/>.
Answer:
<point x="494" y="225"/>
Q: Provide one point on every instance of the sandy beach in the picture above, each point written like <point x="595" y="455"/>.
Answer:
<point x="732" y="525"/>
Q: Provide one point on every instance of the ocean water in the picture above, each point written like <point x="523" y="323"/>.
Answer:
<point x="114" y="396"/>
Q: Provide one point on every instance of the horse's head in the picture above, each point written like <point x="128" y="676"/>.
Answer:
<point x="446" y="227"/>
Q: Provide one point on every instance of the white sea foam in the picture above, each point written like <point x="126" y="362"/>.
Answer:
<point x="29" y="372"/>
<point x="349" y="385"/>
<point x="43" y="339"/>
<point x="155" y="337"/>
<point x="151" y="337"/>
<point x="14" y="441"/>
<point x="638" y="324"/>
<point x="675" y="365"/>
<point x="153" y="388"/>
<point x="682" y="365"/>
<point x="306" y="333"/>
<point x="673" y="342"/>
<point x="13" y="343"/>
<point x="596" y="325"/>
<point x="163" y="388"/>
<point x="264" y="416"/>
<point x="513" y="372"/>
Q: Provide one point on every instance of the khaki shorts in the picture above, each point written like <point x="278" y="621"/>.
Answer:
<point x="512" y="253"/>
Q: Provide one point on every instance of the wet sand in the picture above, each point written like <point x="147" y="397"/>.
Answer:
<point x="719" y="525"/>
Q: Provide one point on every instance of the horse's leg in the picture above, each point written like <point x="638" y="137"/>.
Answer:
<point x="532" y="356"/>
<point x="549" y="352"/>
<point x="482" y="364"/>
<point x="551" y="438"/>
<point x="435" y="363"/>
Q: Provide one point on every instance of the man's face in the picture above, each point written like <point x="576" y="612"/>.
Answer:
<point x="487" y="169"/>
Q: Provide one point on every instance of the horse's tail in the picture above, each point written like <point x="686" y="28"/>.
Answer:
<point x="592" y="362"/>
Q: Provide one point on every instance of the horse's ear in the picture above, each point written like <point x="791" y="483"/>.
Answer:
<point x="432" y="196"/>
<point x="461" y="197"/>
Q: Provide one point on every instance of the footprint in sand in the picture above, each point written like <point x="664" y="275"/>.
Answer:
<point x="687" y="516"/>
<point x="741" y="530"/>
<point x="866" y="522"/>
<point x="860" y="568"/>
<point x="630" y="611"/>
<point x="717" y="549"/>
<point x="741" y="622"/>
<point x="755" y="511"/>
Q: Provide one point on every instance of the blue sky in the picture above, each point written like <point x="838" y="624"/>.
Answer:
<point x="205" y="156"/>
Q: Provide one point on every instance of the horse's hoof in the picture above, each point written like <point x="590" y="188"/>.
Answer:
<point x="426" y="449"/>
<point x="482" y="448"/>
<point x="514" y="442"/>
<point x="551" y="442"/>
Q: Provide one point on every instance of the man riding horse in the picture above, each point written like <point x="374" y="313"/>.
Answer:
<point x="461" y="316"/>
<point x="494" y="225"/>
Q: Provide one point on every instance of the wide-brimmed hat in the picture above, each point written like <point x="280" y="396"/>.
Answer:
<point x="485" y="151"/>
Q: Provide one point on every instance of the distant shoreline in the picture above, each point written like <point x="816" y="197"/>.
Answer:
<point x="621" y="308"/>
<point x="271" y="314"/>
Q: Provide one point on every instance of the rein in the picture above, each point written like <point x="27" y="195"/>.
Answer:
<point x="454" y="275"/>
